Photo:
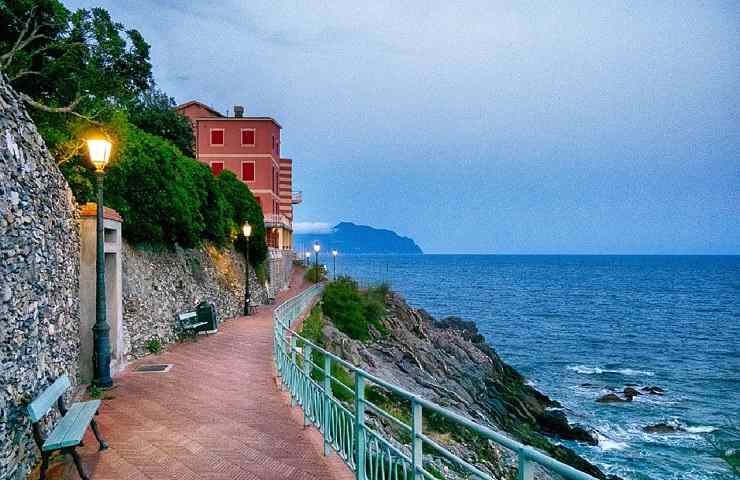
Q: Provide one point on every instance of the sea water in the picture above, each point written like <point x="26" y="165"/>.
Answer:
<point x="581" y="326"/>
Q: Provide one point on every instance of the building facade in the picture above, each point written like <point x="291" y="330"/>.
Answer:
<point x="250" y="148"/>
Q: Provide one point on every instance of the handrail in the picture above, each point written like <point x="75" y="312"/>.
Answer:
<point x="365" y="450"/>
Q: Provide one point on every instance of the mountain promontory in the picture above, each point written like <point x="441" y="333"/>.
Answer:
<point x="348" y="237"/>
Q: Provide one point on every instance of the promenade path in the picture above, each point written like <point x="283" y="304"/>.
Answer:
<point x="216" y="414"/>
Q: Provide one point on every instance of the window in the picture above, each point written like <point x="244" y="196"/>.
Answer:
<point x="217" y="137"/>
<point x="248" y="171"/>
<point x="248" y="137"/>
<point x="273" y="142"/>
<point x="217" y="167"/>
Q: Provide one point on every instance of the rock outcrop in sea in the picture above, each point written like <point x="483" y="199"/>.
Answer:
<point x="450" y="363"/>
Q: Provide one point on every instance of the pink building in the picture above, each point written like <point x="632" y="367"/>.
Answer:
<point x="250" y="148"/>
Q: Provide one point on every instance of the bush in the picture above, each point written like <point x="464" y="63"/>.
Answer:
<point x="243" y="207"/>
<point x="352" y="311"/>
<point x="315" y="274"/>
<point x="153" y="188"/>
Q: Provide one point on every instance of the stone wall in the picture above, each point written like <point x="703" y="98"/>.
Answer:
<point x="281" y="269"/>
<point x="157" y="285"/>
<point x="39" y="264"/>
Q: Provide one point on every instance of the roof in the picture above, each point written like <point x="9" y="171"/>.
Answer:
<point x="222" y="118"/>
<point x="200" y="104"/>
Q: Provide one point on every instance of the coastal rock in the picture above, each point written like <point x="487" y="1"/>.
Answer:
<point x="449" y="363"/>
<point x="554" y="422"/>
<point x="613" y="398"/>
<point x="662" y="428"/>
<point x="630" y="392"/>
<point x="653" y="390"/>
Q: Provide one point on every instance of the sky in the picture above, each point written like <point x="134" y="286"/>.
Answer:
<point x="481" y="127"/>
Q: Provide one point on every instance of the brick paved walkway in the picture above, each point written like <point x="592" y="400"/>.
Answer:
<point x="217" y="414"/>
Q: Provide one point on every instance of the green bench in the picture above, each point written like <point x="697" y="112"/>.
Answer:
<point x="188" y="323"/>
<point x="69" y="430"/>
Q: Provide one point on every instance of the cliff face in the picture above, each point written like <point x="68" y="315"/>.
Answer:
<point x="449" y="363"/>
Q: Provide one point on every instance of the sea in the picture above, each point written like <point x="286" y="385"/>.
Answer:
<point x="578" y="327"/>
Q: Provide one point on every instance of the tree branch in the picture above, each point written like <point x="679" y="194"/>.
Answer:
<point x="69" y="109"/>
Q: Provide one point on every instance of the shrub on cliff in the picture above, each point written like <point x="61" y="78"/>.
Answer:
<point x="353" y="311"/>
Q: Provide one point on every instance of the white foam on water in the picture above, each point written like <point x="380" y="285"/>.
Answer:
<point x="606" y="444"/>
<point x="701" y="429"/>
<point x="587" y="370"/>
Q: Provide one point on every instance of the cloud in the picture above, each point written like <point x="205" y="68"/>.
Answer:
<point x="312" y="227"/>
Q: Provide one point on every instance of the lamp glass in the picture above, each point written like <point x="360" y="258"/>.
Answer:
<point x="99" y="150"/>
<point x="247" y="230"/>
<point x="334" y="252"/>
<point x="308" y="254"/>
<point x="316" y="247"/>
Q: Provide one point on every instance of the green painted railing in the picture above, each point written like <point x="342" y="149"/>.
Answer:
<point x="371" y="454"/>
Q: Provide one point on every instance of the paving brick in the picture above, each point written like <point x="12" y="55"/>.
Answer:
<point x="217" y="414"/>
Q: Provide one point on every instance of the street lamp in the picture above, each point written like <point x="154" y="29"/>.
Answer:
<point x="334" y="254"/>
<point x="247" y="231"/>
<point x="99" y="150"/>
<point x="316" y="249"/>
<point x="308" y="258"/>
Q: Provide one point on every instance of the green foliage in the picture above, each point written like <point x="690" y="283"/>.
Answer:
<point x="100" y="72"/>
<point x="154" y="345"/>
<point x="313" y="326"/>
<point x="243" y="207"/>
<point x="153" y="111"/>
<point x="153" y="188"/>
<point x="315" y="274"/>
<point x="352" y="311"/>
<point x="94" y="391"/>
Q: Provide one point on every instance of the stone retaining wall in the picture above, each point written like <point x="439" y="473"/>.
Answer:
<point x="157" y="285"/>
<point x="39" y="265"/>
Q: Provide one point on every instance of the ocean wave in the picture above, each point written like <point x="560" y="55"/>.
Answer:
<point x="586" y="370"/>
<point x="606" y="444"/>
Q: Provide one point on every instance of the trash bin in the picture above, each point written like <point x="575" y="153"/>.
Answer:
<point x="207" y="313"/>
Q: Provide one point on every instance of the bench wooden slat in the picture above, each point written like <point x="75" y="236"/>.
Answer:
<point x="185" y="316"/>
<point x="71" y="427"/>
<point x="38" y="408"/>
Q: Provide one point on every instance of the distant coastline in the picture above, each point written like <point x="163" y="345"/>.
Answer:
<point x="350" y="238"/>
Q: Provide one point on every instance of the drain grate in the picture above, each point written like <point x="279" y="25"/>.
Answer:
<point x="156" y="368"/>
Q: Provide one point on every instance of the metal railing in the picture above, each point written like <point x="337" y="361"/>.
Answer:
<point x="277" y="220"/>
<point x="309" y="373"/>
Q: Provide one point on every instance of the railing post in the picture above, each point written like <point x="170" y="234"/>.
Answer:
<point x="359" y="426"/>
<point x="526" y="468"/>
<point x="307" y="367"/>
<point x="327" y="404"/>
<point x="416" y="442"/>
<point x="293" y="366"/>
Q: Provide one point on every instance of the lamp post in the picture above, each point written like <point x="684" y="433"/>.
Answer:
<point x="308" y="258"/>
<point x="247" y="231"/>
<point x="99" y="150"/>
<point x="334" y="254"/>
<point x="316" y="249"/>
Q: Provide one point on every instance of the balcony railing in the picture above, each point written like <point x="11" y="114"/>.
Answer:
<point x="275" y="220"/>
<point x="296" y="197"/>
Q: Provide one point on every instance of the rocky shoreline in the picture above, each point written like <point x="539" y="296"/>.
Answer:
<point x="448" y="362"/>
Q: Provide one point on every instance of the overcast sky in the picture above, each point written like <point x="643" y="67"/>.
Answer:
<point x="512" y="127"/>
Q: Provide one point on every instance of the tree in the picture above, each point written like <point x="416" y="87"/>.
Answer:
<point x="243" y="207"/>
<point x="80" y="63"/>
<point x="153" y="111"/>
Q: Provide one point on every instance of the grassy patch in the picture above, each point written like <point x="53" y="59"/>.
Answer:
<point x="353" y="311"/>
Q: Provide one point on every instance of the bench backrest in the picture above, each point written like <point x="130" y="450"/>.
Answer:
<point x="188" y="317"/>
<point x="41" y="404"/>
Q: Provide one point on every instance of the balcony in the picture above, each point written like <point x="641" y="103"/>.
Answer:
<point x="274" y="220"/>
<point x="296" y="197"/>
